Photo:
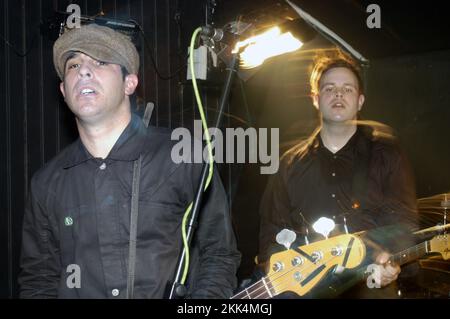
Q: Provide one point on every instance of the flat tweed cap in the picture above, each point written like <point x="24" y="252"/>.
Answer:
<point x="101" y="43"/>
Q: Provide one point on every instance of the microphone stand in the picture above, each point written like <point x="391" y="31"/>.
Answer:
<point x="178" y="290"/>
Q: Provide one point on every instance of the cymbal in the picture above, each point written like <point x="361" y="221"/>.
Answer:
<point x="435" y="201"/>
<point x="433" y="229"/>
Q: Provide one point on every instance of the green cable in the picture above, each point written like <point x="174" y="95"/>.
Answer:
<point x="208" y="143"/>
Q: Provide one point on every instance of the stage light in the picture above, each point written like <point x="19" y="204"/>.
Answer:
<point x="55" y="25"/>
<point x="328" y="33"/>
<point x="267" y="42"/>
<point x="256" y="49"/>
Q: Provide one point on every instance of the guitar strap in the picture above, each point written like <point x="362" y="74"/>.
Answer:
<point x="133" y="226"/>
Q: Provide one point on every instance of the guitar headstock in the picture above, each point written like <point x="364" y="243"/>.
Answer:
<point x="440" y="244"/>
<point x="300" y="269"/>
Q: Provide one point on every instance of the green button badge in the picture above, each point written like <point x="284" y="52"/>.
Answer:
<point x="68" y="221"/>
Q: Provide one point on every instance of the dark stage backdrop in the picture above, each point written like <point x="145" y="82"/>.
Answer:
<point x="406" y="89"/>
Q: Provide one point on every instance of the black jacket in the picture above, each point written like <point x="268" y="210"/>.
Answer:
<point x="78" y="213"/>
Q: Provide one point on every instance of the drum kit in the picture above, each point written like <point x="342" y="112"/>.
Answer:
<point x="433" y="279"/>
<point x="434" y="209"/>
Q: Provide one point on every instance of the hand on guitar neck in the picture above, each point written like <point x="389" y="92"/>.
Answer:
<point x="388" y="270"/>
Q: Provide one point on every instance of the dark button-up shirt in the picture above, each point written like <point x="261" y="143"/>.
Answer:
<point x="79" y="214"/>
<point x="368" y="182"/>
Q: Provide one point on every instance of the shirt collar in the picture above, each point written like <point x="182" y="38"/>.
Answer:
<point x="128" y="146"/>
<point x="317" y="143"/>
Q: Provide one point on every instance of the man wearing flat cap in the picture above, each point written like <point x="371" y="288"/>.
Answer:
<point x="104" y="217"/>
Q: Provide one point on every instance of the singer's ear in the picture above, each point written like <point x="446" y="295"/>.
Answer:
<point x="361" y="100"/>
<point x="62" y="89"/>
<point x="131" y="82"/>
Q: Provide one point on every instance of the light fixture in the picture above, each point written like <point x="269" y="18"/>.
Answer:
<point x="55" y="25"/>
<point x="273" y="42"/>
<point x="327" y="33"/>
<point x="265" y="43"/>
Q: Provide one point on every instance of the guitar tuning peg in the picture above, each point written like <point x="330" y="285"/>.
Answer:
<point x="324" y="226"/>
<point x="286" y="237"/>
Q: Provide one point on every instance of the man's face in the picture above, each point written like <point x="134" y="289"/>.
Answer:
<point x="95" y="90"/>
<point x="339" y="99"/>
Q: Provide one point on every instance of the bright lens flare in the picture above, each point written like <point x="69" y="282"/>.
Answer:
<point x="268" y="44"/>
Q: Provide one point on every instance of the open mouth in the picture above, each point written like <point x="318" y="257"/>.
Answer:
<point x="87" y="92"/>
<point x="338" y="105"/>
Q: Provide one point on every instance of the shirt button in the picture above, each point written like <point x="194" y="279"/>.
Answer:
<point x="334" y="156"/>
<point x="333" y="195"/>
<point x="103" y="166"/>
<point x="115" y="292"/>
<point x="333" y="174"/>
